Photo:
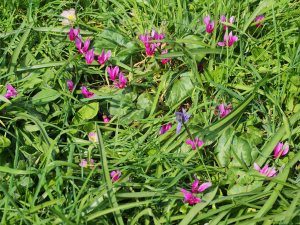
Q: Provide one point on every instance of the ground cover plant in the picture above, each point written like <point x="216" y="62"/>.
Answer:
<point x="149" y="112"/>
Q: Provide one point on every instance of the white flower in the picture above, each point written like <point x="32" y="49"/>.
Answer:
<point x="69" y="17"/>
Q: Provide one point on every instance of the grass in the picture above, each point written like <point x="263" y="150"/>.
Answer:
<point x="44" y="129"/>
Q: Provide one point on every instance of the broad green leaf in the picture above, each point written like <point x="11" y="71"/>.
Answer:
<point x="242" y="149"/>
<point x="223" y="148"/>
<point x="45" y="96"/>
<point x="145" y="102"/>
<point x="88" y="111"/>
<point x="4" y="143"/>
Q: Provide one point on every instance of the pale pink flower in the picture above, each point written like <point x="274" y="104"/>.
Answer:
<point x="82" y="47"/>
<point x="194" y="144"/>
<point x="86" y="93"/>
<point x="224" y="110"/>
<point x="210" y="25"/>
<point x="224" y="19"/>
<point x="196" y="188"/>
<point x="166" y="60"/>
<point x="164" y="128"/>
<point x="259" y="19"/>
<point x="112" y="72"/>
<point x="73" y="33"/>
<point x="70" y="85"/>
<point x="115" y="175"/>
<point x="190" y="197"/>
<point x="89" y="56"/>
<point x="83" y="163"/>
<point x="266" y="170"/>
<point x="121" y="83"/>
<point x="10" y="91"/>
<point x="69" y="17"/>
<point x="281" y="150"/>
<point x="106" y="119"/>
<point x="93" y="137"/>
<point x="228" y="40"/>
<point x="104" y="57"/>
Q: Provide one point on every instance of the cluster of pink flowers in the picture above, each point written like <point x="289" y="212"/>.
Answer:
<point x="194" y="143"/>
<point x="83" y="48"/>
<point x="279" y="151"/>
<point x="190" y="197"/>
<point x="117" y="77"/>
<point x="152" y="47"/>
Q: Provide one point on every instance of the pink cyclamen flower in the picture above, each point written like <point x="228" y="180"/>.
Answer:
<point x="210" y="25"/>
<point x="10" y="91"/>
<point x="86" y="93"/>
<point x="259" y="20"/>
<point x="281" y="150"/>
<point x="89" y="56"/>
<point x="104" y="57"/>
<point x="224" y="20"/>
<point x="228" y="40"/>
<point x="73" y="33"/>
<point x="113" y="72"/>
<point x="194" y="144"/>
<point x="106" y="119"/>
<point x="196" y="188"/>
<point x="224" y="110"/>
<point x="166" y="60"/>
<point x="70" y="85"/>
<point x="83" y="163"/>
<point x="190" y="197"/>
<point x="69" y="17"/>
<point x="115" y="175"/>
<point x="93" y="137"/>
<point x="164" y="128"/>
<point x="82" y="47"/>
<point x="121" y="83"/>
<point x="266" y="170"/>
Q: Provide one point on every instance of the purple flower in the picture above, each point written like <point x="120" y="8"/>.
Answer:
<point x="115" y="175"/>
<point x="228" y="40"/>
<point x="104" y="57"/>
<point x="224" y="20"/>
<point x="266" y="170"/>
<point x="258" y="20"/>
<point x="196" y="188"/>
<point x="73" y="33"/>
<point x="194" y="144"/>
<point x="113" y="72"/>
<point x="86" y="93"/>
<point x="224" y="110"/>
<point x="165" y="61"/>
<point x="281" y="150"/>
<point x="190" y="197"/>
<point x="121" y="83"/>
<point x="210" y="25"/>
<point x="89" y="56"/>
<point x="164" y="128"/>
<point x="181" y="117"/>
<point x="70" y="85"/>
<point x="10" y="91"/>
<point x="82" y="47"/>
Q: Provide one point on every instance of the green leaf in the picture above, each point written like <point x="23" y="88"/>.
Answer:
<point x="223" y="148"/>
<point x="45" y="96"/>
<point x="88" y="111"/>
<point x="145" y="102"/>
<point x="181" y="89"/>
<point x="4" y="143"/>
<point x="242" y="149"/>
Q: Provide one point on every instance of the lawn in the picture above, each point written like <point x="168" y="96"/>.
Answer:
<point x="149" y="112"/>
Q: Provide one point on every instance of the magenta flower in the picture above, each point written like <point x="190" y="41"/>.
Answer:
<point x="151" y="47"/>
<point x="104" y="57"/>
<point x="196" y="188"/>
<point x="82" y="47"/>
<point x="93" y="137"/>
<point x="86" y="93"/>
<point x="89" y="56"/>
<point x="70" y="85"/>
<point x="190" y="197"/>
<point x="10" y="91"/>
<point x="115" y="175"/>
<point x="228" y="40"/>
<point x="106" y="119"/>
<point x="113" y="72"/>
<point x="224" y="110"/>
<point x="266" y="170"/>
<point x="210" y="25"/>
<point x="164" y="128"/>
<point x="224" y="20"/>
<point x="73" y="33"/>
<point x="194" y="144"/>
<point x="83" y="163"/>
<point x="281" y="150"/>
<point x="121" y="83"/>
<point x="165" y="61"/>
<point x="258" y="20"/>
